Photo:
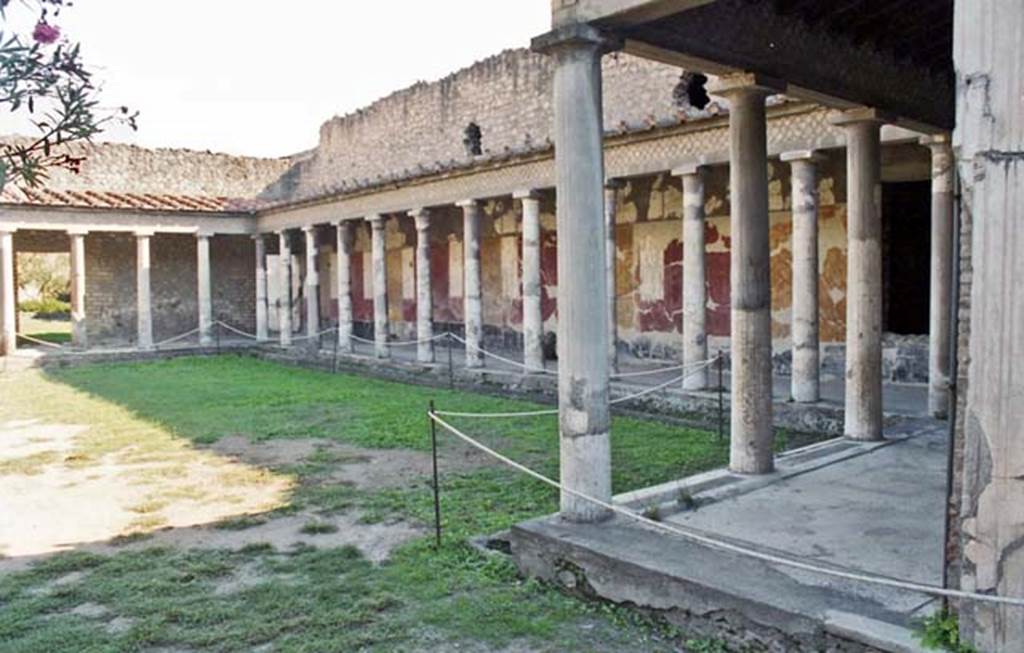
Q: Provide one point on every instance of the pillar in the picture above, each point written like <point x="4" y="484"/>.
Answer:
<point x="261" y="287"/>
<point x="79" y="331"/>
<point x="941" y="275"/>
<point x="380" y="286"/>
<point x="584" y="415"/>
<point x="805" y="385"/>
<point x="863" y="412"/>
<point x="751" y="446"/>
<point x="312" y="289"/>
<point x="203" y="294"/>
<point x="8" y="328"/>
<point x="424" y="300"/>
<point x="472" y="306"/>
<point x="144" y="309"/>
<point x="344" y="279"/>
<point x="284" y="311"/>
<point x="695" y="293"/>
<point x="611" y="197"/>
<point x="533" y="318"/>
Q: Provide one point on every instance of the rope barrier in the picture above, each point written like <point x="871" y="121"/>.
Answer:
<point x="315" y="335"/>
<point x="662" y="370"/>
<point x="694" y="536"/>
<point x="527" y="368"/>
<point x="39" y="341"/>
<point x="244" y="334"/>
<point x="661" y="386"/>
<point x="528" y="413"/>
<point x="176" y="338"/>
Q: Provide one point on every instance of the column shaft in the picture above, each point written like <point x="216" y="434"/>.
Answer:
<point x="312" y="289"/>
<point x="695" y="294"/>
<point x="142" y="291"/>
<point x="863" y="415"/>
<point x="751" y="411"/>
<point x="611" y="197"/>
<point x="472" y="296"/>
<point x="533" y="319"/>
<point x="424" y="299"/>
<point x="284" y="312"/>
<point x="939" y="315"/>
<point x="204" y="294"/>
<point x="79" y="331"/>
<point x="583" y="393"/>
<point x="8" y="329"/>
<point x="261" y="287"/>
<point x="805" y="380"/>
<point x="380" y="287"/>
<point x="344" y="278"/>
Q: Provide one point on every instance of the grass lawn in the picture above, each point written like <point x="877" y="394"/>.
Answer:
<point x="50" y="330"/>
<point x="159" y="430"/>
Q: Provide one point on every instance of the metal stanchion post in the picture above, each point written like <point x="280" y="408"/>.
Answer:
<point x="721" y="395"/>
<point x="437" y="486"/>
<point x="334" y="362"/>
<point x="451" y="365"/>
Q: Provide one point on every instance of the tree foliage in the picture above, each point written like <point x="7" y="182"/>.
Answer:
<point x="43" y="76"/>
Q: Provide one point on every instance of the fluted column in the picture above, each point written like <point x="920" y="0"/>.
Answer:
<point x="79" y="331"/>
<point x="472" y="295"/>
<point x="863" y="414"/>
<point x="344" y="279"/>
<point x="8" y="328"/>
<point x="752" y="443"/>
<point x="312" y="289"/>
<point x="144" y="305"/>
<point x="260" y="247"/>
<point x="284" y="312"/>
<point x="583" y="400"/>
<point x="941" y="275"/>
<point x="695" y="294"/>
<point x="805" y="385"/>
<point x="611" y="203"/>
<point x="203" y="293"/>
<point x="424" y="298"/>
<point x="533" y="318"/>
<point x="380" y="286"/>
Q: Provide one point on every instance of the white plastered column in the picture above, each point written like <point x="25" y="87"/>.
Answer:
<point x="380" y="286"/>
<point x="312" y="288"/>
<point x="260" y="247"/>
<point x="611" y="204"/>
<point x="284" y="310"/>
<point x="863" y="412"/>
<point x="8" y="328"/>
<point x="344" y="279"/>
<point x="752" y="436"/>
<point x="533" y="319"/>
<point x="204" y="293"/>
<point x="79" y="330"/>
<point x="472" y="294"/>
<point x="424" y="298"/>
<point x="144" y="303"/>
<point x="805" y="383"/>
<point x="695" y="293"/>
<point x="941" y="284"/>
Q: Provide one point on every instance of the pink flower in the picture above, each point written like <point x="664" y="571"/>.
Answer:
<point x="45" y="33"/>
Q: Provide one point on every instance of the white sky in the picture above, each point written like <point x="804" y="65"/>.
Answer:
<point x="258" y="77"/>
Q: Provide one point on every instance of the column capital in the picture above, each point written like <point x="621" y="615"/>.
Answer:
<point x="690" y="168"/>
<point x="422" y="218"/>
<point x="145" y="233"/>
<point x="309" y="228"/>
<point x="526" y="194"/>
<point x="859" y="115"/>
<point x="257" y="236"/>
<point x="468" y="204"/>
<point x="576" y="35"/>
<point x="74" y="231"/>
<point x="937" y="141"/>
<point x="810" y="156"/>
<point x="376" y="220"/>
<point x="728" y="86"/>
<point x="204" y="235"/>
<point x="7" y="229"/>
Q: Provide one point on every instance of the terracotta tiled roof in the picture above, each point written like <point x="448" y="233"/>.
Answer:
<point x="92" y="199"/>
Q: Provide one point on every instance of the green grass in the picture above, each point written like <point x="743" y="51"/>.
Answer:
<point x="331" y="599"/>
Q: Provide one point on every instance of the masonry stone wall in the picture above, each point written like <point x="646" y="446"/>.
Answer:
<point x="110" y="296"/>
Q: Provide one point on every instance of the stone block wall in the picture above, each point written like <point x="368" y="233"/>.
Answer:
<point x="110" y="296"/>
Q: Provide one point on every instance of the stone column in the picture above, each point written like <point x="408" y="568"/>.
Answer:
<point x="750" y="275"/>
<point x="312" y="289"/>
<point x="941" y="275"/>
<point x="533" y="318"/>
<point x="611" y="197"/>
<point x="8" y="302"/>
<point x="471" y="303"/>
<point x="695" y="292"/>
<point x="344" y="279"/>
<point x="284" y="311"/>
<point x="203" y="294"/>
<point x="142" y="292"/>
<point x="863" y="413"/>
<point x="805" y="380"/>
<point x="380" y="287"/>
<point x="79" y="331"/>
<point x="261" y="287"/>
<point x="424" y="299"/>
<point x="584" y="417"/>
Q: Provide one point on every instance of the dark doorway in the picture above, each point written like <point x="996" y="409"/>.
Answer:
<point x="906" y="258"/>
